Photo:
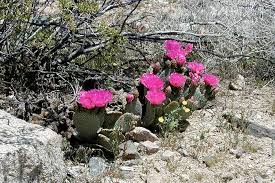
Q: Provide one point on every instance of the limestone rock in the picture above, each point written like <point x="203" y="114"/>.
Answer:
<point x="142" y="134"/>
<point x="29" y="152"/>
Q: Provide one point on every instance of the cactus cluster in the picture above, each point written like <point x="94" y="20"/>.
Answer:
<point x="175" y="87"/>
<point x="167" y="95"/>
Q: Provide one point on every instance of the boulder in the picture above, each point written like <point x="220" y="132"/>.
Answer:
<point x="29" y="152"/>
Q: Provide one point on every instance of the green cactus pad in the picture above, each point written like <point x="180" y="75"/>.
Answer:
<point x="88" y="123"/>
<point x="171" y="107"/>
<point x="149" y="116"/>
<point x="111" y="118"/>
<point x="126" y="122"/>
<point x="134" y="107"/>
<point x="200" y="100"/>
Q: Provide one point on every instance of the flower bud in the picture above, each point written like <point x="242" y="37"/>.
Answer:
<point x="174" y="63"/>
<point x="181" y="100"/>
<point x="135" y="93"/>
<point x="168" y="90"/>
<point x="168" y="63"/>
<point x="130" y="97"/>
<point x="156" y="67"/>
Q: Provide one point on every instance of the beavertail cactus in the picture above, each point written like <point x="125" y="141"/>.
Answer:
<point x="88" y="123"/>
<point x="91" y="112"/>
<point x="126" y="122"/>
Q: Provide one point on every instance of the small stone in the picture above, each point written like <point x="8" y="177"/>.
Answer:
<point x="269" y="172"/>
<point x="209" y="161"/>
<point x="155" y="178"/>
<point x="227" y="176"/>
<point x="126" y="168"/>
<point x="185" y="177"/>
<point x="238" y="83"/>
<point x="259" y="179"/>
<point x="149" y="147"/>
<point x="170" y="156"/>
<point x="129" y="150"/>
<point x="142" y="134"/>
<point x="183" y="152"/>
<point x="97" y="166"/>
<point x="237" y="152"/>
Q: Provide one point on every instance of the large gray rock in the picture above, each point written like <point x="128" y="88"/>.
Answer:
<point x="29" y="152"/>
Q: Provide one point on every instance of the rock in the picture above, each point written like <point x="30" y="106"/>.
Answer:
<point x="183" y="151"/>
<point x="149" y="147"/>
<point x="170" y="156"/>
<point x="227" y="176"/>
<point x="126" y="168"/>
<point x="259" y="179"/>
<point x="97" y="166"/>
<point x="209" y="161"/>
<point x="237" y="152"/>
<point x="155" y="178"/>
<point x="29" y="152"/>
<point x="142" y="134"/>
<point x="238" y="83"/>
<point x="76" y="171"/>
<point x="128" y="150"/>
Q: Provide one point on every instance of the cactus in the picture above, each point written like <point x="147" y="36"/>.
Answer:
<point x="88" y="122"/>
<point x="134" y="107"/>
<point x="110" y="119"/>
<point x="171" y="107"/>
<point x="126" y="122"/>
<point x="199" y="100"/>
<point x="149" y="116"/>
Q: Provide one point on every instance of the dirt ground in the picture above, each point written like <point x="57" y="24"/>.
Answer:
<point x="211" y="149"/>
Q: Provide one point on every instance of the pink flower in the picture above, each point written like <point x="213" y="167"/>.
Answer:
<point x="174" y="51"/>
<point x="195" y="67"/>
<point x="95" y="98"/>
<point x="195" y="77"/>
<point x="188" y="48"/>
<point x="101" y="97"/>
<point x="171" y="45"/>
<point x="151" y="81"/>
<point x="211" y="80"/>
<point x="130" y="97"/>
<point x="85" y="100"/>
<point x="155" y="97"/>
<point x="177" y="80"/>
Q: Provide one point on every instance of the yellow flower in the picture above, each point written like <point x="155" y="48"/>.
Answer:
<point x="115" y="64"/>
<point x="161" y="119"/>
<point x="186" y="110"/>
<point x="184" y="102"/>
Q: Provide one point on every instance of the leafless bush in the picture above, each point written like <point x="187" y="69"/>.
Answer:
<point x="223" y="30"/>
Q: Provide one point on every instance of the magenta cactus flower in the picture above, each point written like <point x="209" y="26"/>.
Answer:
<point x="177" y="80"/>
<point x="195" y="77"/>
<point x="152" y="81"/>
<point x="196" y="67"/>
<point x="130" y="97"/>
<point x="95" y="98"/>
<point x="211" y="80"/>
<point x="188" y="48"/>
<point x="155" y="97"/>
<point x="174" y="51"/>
<point x="85" y="100"/>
